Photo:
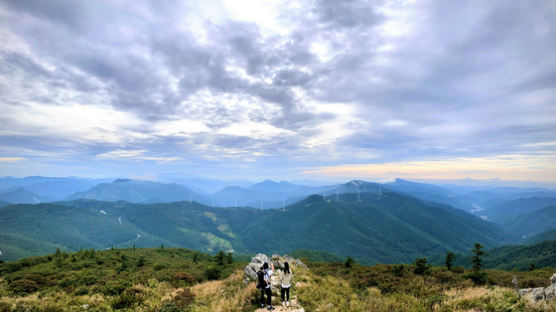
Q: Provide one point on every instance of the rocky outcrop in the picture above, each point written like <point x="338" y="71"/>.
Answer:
<point x="540" y="293"/>
<point x="258" y="260"/>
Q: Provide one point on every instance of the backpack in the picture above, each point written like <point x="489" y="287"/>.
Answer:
<point x="260" y="276"/>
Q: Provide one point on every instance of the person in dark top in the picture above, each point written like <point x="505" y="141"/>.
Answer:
<point x="267" y="274"/>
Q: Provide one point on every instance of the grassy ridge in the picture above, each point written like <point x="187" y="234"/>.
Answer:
<point x="173" y="279"/>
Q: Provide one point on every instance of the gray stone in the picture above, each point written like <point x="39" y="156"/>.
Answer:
<point x="550" y="292"/>
<point x="553" y="279"/>
<point x="301" y="264"/>
<point x="538" y="294"/>
<point x="278" y="262"/>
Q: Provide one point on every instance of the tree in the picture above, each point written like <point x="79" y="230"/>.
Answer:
<point x="349" y="262"/>
<point x="477" y="257"/>
<point x="219" y="258"/>
<point x="195" y="258"/>
<point x="229" y="258"/>
<point x="58" y="257"/>
<point x="449" y="258"/>
<point x="421" y="266"/>
<point x="141" y="261"/>
<point x="532" y="267"/>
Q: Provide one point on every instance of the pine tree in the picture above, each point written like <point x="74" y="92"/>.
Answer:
<point x="449" y="258"/>
<point x="477" y="258"/>
<point x="229" y="258"/>
<point x="349" y="262"/>
<point x="219" y="258"/>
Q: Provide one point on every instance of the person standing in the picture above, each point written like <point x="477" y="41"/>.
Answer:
<point x="261" y="284"/>
<point x="268" y="273"/>
<point x="286" y="284"/>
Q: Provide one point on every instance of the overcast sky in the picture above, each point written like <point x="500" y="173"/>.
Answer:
<point x="279" y="89"/>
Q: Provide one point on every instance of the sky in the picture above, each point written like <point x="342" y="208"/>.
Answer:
<point x="279" y="89"/>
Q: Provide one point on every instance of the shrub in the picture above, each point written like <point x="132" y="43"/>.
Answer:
<point x="184" y="276"/>
<point x="421" y="266"/>
<point x="183" y="298"/>
<point x="212" y="273"/>
<point x="81" y="291"/>
<point x="159" y="266"/>
<point x="479" y="278"/>
<point x="169" y="307"/>
<point x="65" y="282"/>
<point x="114" y="287"/>
<point x="23" y="286"/>
<point x="88" y="279"/>
<point x="129" y="298"/>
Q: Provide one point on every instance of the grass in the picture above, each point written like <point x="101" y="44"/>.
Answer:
<point x="170" y="280"/>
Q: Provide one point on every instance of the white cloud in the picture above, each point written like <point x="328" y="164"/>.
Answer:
<point x="11" y="159"/>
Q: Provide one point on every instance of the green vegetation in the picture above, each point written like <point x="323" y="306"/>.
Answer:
<point x="531" y="223"/>
<point x="542" y="237"/>
<point x="332" y="287"/>
<point x="510" y="257"/>
<point x="385" y="228"/>
<point x="155" y="278"/>
<point x="170" y="279"/>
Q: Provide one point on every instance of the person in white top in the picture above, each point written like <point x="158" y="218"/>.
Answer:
<point x="286" y="283"/>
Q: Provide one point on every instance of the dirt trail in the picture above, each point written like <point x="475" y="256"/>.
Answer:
<point x="277" y="304"/>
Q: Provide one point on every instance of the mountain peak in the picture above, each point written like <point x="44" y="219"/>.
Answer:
<point x="122" y="180"/>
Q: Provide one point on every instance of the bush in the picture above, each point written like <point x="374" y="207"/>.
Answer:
<point x="421" y="266"/>
<point x="184" y="276"/>
<point x="88" y="279"/>
<point x="169" y="307"/>
<point x="159" y="266"/>
<point x="23" y="286"/>
<point x="81" y="291"/>
<point x="114" y="287"/>
<point x="478" y="278"/>
<point x="183" y="298"/>
<point x="212" y="273"/>
<point x="129" y="298"/>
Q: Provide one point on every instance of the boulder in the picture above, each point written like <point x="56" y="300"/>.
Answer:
<point x="550" y="292"/>
<point x="553" y="279"/>
<point x="257" y="261"/>
<point x="538" y="294"/>
<point x="252" y="267"/>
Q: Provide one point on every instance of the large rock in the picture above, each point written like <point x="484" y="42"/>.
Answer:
<point x="278" y="261"/>
<point x="253" y="266"/>
<point x="540" y="293"/>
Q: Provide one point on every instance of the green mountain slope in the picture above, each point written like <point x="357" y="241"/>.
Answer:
<point x="517" y="207"/>
<point x="385" y="227"/>
<point x="530" y="224"/>
<point x="549" y="235"/>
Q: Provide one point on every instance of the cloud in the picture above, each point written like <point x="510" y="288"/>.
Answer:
<point x="11" y="159"/>
<point x="505" y="167"/>
<point x="289" y="83"/>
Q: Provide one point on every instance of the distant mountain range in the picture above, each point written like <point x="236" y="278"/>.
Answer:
<point x="373" y="226"/>
<point x="42" y="189"/>
<point x="23" y="196"/>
